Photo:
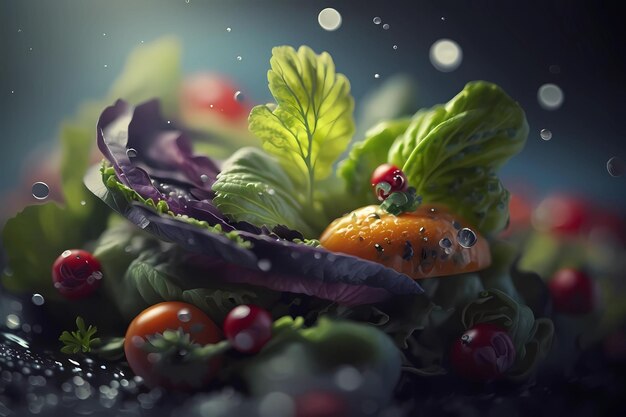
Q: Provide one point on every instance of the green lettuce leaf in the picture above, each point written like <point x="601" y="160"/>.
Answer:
<point x="252" y="187"/>
<point x="312" y="122"/>
<point x="450" y="153"/>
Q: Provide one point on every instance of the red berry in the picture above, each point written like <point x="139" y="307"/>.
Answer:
<point x="321" y="404"/>
<point x="562" y="215"/>
<point x="76" y="274"/>
<point x="393" y="176"/>
<point x="572" y="292"/>
<point x="248" y="328"/>
<point x="483" y="353"/>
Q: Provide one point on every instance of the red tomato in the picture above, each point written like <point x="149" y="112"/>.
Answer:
<point x="390" y="174"/>
<point x="213" y="94"/>
<point x="248" y="328"/>
<point x="572" y="292"/>
<point x="483" y="353"/>
<point x="76" y="274"/>
<point x="564" y="215"/>
<point x="160" y="369"/>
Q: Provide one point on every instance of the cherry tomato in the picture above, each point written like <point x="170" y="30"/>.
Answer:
<point x="214" y="94"/>
<point x="483" y="353"/>
<point x="572" y="292"/>
<point x="562" y="215"/>
<point x="248" y="328"/>
<point x="76" y="274"/>
<point x="393" y="176"/>
<point x="157" y="369"/>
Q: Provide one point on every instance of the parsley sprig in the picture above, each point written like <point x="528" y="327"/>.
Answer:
<point x="80" y="340"/>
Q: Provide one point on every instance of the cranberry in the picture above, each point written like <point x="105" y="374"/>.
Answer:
<point x="76" y="274"/>
<point x="393" y="176"/>
<point x="483" y="353"/>
<point x="572" y="292"/>
<point x="248" y="328"/>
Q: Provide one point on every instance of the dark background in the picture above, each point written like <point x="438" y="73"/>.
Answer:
<point x="512" y="43"/>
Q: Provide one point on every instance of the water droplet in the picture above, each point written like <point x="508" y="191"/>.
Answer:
<point x="329" y="19"/>
<point x="264" y="265"/>
<point x="83" y="202"/>
<point x="104" y="34"/>
<point x="240" y="312"/>
<point x="184" y="315"/>
<point x="106" y="66"/>
<point x="545" y="134"/>
<point x="445" y="243"/>
<point x="443" y="19"/>
<point x="131" y="152"/>
<point x="348" y="378"/>
<point x="376" y="75"/>
<point x="243" y="340"/>
<point x="616" y="166"/>
<point x="386" y="26"/>
<point x="377" y="20"/>
<point x="276" y="404"/>
<point x="395" y="47"/>
<point x="38" y="299"/>
<point x="40" y="190"/>
<point x="550" y="96"/>
<point x="228" y="29"/>
<point x="466" y="237"/>
<point x="239" y="58"/>
<point x="12" y="321"/>
<point x="271" y="191"/>
<point x="187" y="1"/>
<point x="238" y="96"/>
<point x="446" y="55"/>
<point x="204" y="178"/>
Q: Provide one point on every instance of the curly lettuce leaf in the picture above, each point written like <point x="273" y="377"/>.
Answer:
<point x="252" y="187"/>
<point x="450" y="153"/>
<point x="312" y="122"/>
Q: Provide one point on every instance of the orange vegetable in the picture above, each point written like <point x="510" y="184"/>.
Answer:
<point x="421" y="244"/>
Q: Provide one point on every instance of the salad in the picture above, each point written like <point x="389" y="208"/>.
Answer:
<point x="204" y="271"/>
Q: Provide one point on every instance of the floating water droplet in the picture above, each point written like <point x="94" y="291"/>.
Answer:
<point x="446" y="55"/>
<point x="40" y="190"/>
<point x="377" y="20"/>
<point x="329" y="19"/>
<point x="38" y="299"/>
<point x="376" y="75"/>
<point x="187" y="1"/>
<point x="271" y="191"/>
<point x="83" y="202"/>
<point x="228" y="29"/>
<point x="277" y="404"/>
<point x="265" y="265"/>
<point x="443" y="19"/>
<point x="104" y="34"/>
<point x="184" y="315"/>
<point x="395" y="47"/>
<point x="238" y="96"/>
<point x="239" y="57"/>
<point x="545" y="134"/>
<point x="131" y="152"/>
<point x="106" y="66"/>
<point x="550" y="96"/>
<point x="204" y="177"/>
<point x="386" y="26"/>
<point x="616" y="166"/>
<point x="466" y="237"/>
<point x="348" y="378"/>
<point x="445" y="243"/>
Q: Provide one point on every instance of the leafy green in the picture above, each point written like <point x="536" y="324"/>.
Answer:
<point x="252" y="187"/>
<point x="312" y="123"/>
<point x="80" y="340"/>
<point x="450" y="153"/>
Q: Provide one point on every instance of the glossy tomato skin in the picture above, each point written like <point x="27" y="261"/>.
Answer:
<point x="482" y="353"/>
<point x="172" y="315"/>
<point x="248" y="328"/>
<point x="213" y="94"/>
<point x="393" y="176"/>
<point x="76" y="274"/>
<point x="572" y="291"/>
